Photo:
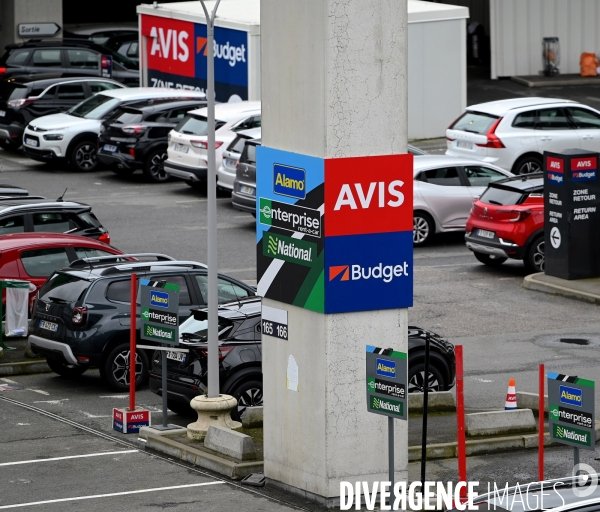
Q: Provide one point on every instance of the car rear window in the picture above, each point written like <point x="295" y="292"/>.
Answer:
<point x="502" y="196"/>
<point x="193" y="125"/>
<point x="18" y="57"/>
<point x="64" y="287"/>
<point x="249" y="154"/>
<point x="89" y="220"/>
<point x="238" y="144"/>
<point x="11" y="91"/>
<point x="474" y="122"/>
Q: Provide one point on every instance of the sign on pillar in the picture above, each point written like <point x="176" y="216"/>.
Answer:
<point x="387" y="382"/>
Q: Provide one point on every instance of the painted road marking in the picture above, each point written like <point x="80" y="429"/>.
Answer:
<point x="115" y="396"/>
<point x="54" y="402"/>
<point x="67" y="457"/>
<point x="78" y="498"/>
<point x="38" y="391"/>
<point x="10" y="381"/>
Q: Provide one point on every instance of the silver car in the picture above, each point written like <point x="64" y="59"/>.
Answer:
<point x="444" y="190"/>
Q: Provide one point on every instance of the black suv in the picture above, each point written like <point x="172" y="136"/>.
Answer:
<point x="135" y="136"/>
<point x="25" y="98"/>
<point x="38" y="214"/>
<point x="71" y="57"/>
<point x="81" y="317"/>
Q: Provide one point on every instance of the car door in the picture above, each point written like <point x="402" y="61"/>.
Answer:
<point x="46" y="60"/>
<point x="479" y="177"/>
<point x="45" y="105"/>
<point x="587" y="124"/>
<point x="554" y="131"/>
<point x="446" y="194"/>
<point x="69" y="95"/>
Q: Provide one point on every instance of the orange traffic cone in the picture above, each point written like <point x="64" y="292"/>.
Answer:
<point x="511" y="397"/>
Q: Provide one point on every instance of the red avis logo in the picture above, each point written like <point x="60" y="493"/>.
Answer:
<point x="583" y="163"/>
<point x="170" y="43"/>
<point x="348" y="198"/>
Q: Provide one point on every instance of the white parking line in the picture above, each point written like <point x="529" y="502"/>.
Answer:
<point x="10" y="381"/>
<point x="38" y="391"/>
<point x="114" y="396"/>
<point x="67" y="457"/>
<point x="78" y="498"/>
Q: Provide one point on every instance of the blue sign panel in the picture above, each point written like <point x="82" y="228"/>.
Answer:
<point x="289" y="181"/>
<point x="159" y="299"/>
<point x="571" y="396"/>
<point x="590" y="175"/>
<point x="386" y="368"/>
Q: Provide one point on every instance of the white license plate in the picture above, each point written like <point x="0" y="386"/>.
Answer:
<point x="2" y="113"/>
<point x="464" y="145"/>
<point x="181" y="147"/>
<point x="230" y="163"/>
<point x="31" y="142"/>
<point x="247" y="190"/>
<point x="176" y="356"/>
<point x="50" y="326"/>
<point x="485" y="234"/>
<point x="109" y="147"/>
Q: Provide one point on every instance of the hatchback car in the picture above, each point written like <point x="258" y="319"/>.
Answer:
<point x="243" y="195"/>
<point x="507" y="221"/>
<point x="513" y="134"/>
<point x="25" y="98"/>
<point x="73" y="136"/>
<point x="231" y="157"/>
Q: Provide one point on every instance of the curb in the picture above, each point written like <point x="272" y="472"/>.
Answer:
<point x="531" y="283"/>
<point x="24" y="367"/>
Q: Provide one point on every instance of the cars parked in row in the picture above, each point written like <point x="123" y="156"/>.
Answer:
<point x="135" y="137"/>
<point x="507" y="221"/>
<point x="231" y="157"/>
<point x="513" y="134"/>
<point x="73" y="136"/>
<point x="81" y="317"/>
<point x="25" y="98"/>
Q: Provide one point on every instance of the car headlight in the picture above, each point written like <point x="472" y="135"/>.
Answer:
<point x="53" y="136"/>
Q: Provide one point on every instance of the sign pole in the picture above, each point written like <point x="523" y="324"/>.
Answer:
<point x="460" y="419"/>
<point x="541" y="409"/>
<point x="425" y="408"/>
<point x="576" y="459"/>
<point x="132" y="340"/>
<point x="391" y="449"/>
<point x="164" y="388"/>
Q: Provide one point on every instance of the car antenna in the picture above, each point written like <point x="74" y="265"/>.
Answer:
<point x="60" y="199"/>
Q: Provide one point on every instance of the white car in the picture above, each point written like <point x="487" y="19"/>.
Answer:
<point x="73" y="135"/>
<point x="231" y="157"/>
<point x="188" y="141"/>
<point x="513" y="134"/>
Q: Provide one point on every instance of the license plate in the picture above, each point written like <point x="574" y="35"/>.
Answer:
<point x="2" y="113"/>
<point x="109" y="147"/>
<point x="230" y="163"/>
<point x="464" y="145"/>
<point x="176" y="356"/>
<point x="485" y="234"/>
<point x="181" y="147"/>
<point x="247" y="190"/>
<point x="31" y="142"/>
<point x="50" y="326"/>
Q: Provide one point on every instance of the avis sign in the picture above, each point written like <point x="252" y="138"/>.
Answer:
<point x="159" y="303"/>
<point x="335" y="235"/>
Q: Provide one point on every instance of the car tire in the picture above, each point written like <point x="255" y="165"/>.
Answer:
<point x="423" y="229"/>
<point x="84" y="157"/>
<point x="9" y="145"/>
<point x="528" y="165"/>
<point x="535" y="260"/>
<point x="247" y="394"/>
<point x="115" y="368"/>
<point x="181" y="409"/>
<point x="153" y="167"/>
<point x="68" y="371"/>
<point x="416" y="378"/>
<point x="489" y="259"/>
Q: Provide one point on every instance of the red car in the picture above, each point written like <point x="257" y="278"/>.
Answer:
<point x="507" y="221"/>
<point x="34" y="257"/>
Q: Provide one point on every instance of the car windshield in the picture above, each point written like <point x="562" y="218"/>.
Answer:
<point x="501" y="196"/>
<point x="474" y="122"/>
<point x="95" y="107"/>
<point x="63" y="288"/>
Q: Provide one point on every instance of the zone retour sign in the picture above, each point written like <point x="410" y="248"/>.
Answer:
<point x="159" y="302"/>
<point x="387" y="382"/>
<point x="335" y="235"/>
<point x="571" y="411"/>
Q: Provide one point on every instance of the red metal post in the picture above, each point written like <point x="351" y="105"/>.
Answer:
<point x="541" y="426"/>
<point x="460" y="419"/>
<point x="132" y="334"/>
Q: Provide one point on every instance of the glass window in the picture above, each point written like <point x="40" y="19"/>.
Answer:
<point x="47" y="58"/>
<point x="95" y="107"/>
<point x="64" y="287"/>
<point x="132" y="51"/>
<point x="50" y="92"/>
<point x="445" y="176"/>
<point x="119" y="291"/>
<point x="501" y="196"/>
<point x="89" y="220"/>
<point x="474" y="122"/>
<point x="71" y="92"/>
<point x="43" y="262"/>
<point x="126" y="116"/>
<point x="228" y="291"/>
<point x="246" y="124"/>
<point x="525" y="120"/>
<point x="180" y="113"/>
<point x="12" y="225"/>
<point x="482" y="176"/>
<point x="584" y="118"/>
<point x="102" y="86"/>
<point x="184" y="293"/>
<point x="553" y="119"/>
<point x="12" y="91"/>
<point x="51" y="222"/>
<point x="238" y="144"/>
<point x="89" y="252"/>
<point x="83" y="59"/>
<point x="193" y="125"/>
<point x="249" y="154"/>
<point x="18" y="57"/>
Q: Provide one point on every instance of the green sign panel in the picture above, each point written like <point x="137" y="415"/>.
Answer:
<point x="159" y="311"/>
<point x="386" y="406"/>
<point x="289" y="249"/>
<point x="387" y="377"/>
<point x="571" y="435"/>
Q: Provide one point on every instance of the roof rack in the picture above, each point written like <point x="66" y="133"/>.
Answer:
<point x="113" y="258"/>
<point x="146" y="266"/>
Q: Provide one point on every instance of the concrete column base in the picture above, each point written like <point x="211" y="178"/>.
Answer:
<point x="211" y="411"/>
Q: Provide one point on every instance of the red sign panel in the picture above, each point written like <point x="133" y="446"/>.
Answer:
<point x="368" y="194"/>
<point x="554" y="164"/>
<point x="582" y="164"/>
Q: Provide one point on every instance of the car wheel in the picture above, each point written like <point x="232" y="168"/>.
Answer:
<point x="181" y="408"/>
<point x="65" y="370"/>
<point x="9" y="145"/>
<point x="115" y="369"/>
<point x="154" y="168"/>
<point x="528" y="165"/>
<point x="247" y="394"/>
<point x="416" y="378"/>
<point x="489" y="259"/>
<point x="535" y="260"/>
<point x="422" y="229"/>
<point x="83" y="156"/>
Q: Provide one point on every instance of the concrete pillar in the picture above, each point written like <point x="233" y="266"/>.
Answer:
<point x="333" y="85"/>
<point x="13" y="12"/>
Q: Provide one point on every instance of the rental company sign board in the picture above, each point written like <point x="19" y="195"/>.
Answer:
<point x="387" y="390"/>
<point x="571" y="411"/>
<point x="159" y="303"/>
<point x="335" y="235"/>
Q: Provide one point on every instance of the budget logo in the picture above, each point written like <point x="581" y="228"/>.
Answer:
<point x="571" y="434"/>
<point x="571" y="396"/>
<point x="386" y="368"/>
<point x="289" y="249"/>
<point x="339" y="270"/>
<point x="159" y="299"/>
<point x="289" y="181"/>
<point x="381" y="404"/>
<point x="357" y="272"/>
<point x="577" y="176"/>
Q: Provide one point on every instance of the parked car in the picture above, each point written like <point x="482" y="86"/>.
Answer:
<point x="81" y="318"/>
<point x="101" y="32"/>
<point x="240" y="359"/>
<point x="231" y="158"/>
<point x="513" y="134"/>
<point x="25" y="98"/>
<point x="187" y="152"/>
<point x="243" y="195"/>
<point x="73" y="135"/>
<point x="71" y="57"/>
<point x="507" y="221"/>
<point x="12" y="190"/>
<point x="126" y="44"/>
<point x="135" y="137"/>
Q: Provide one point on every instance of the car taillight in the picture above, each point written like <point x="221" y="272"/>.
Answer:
<point x="133" y="129"/>
<point x="20" y="102"/>
<point x="2" y="71"/>
<point x="203" y="144"/>
<point x="223" y="351"/>
<point x="104" y="237"/>
<point x="448" y="138"/>
<point x="520" y="215"/>
<point x="132" y="152"/>
<point x="79" y="315"/>
<point x="493" y="141"/>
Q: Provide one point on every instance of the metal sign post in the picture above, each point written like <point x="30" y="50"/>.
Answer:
<point x="425" y="407"/>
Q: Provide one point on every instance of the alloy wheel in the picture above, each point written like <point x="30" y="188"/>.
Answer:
<point x="86" y="156"/>
<point x="417" y="383"/>
<point x="157" y="168"/>
<point x="530" y="167"/>
<point x="420" y="230"/>
<point x="252" y="397"/>
<point x="121" y="368"/>
<point x="538" y="257"/>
